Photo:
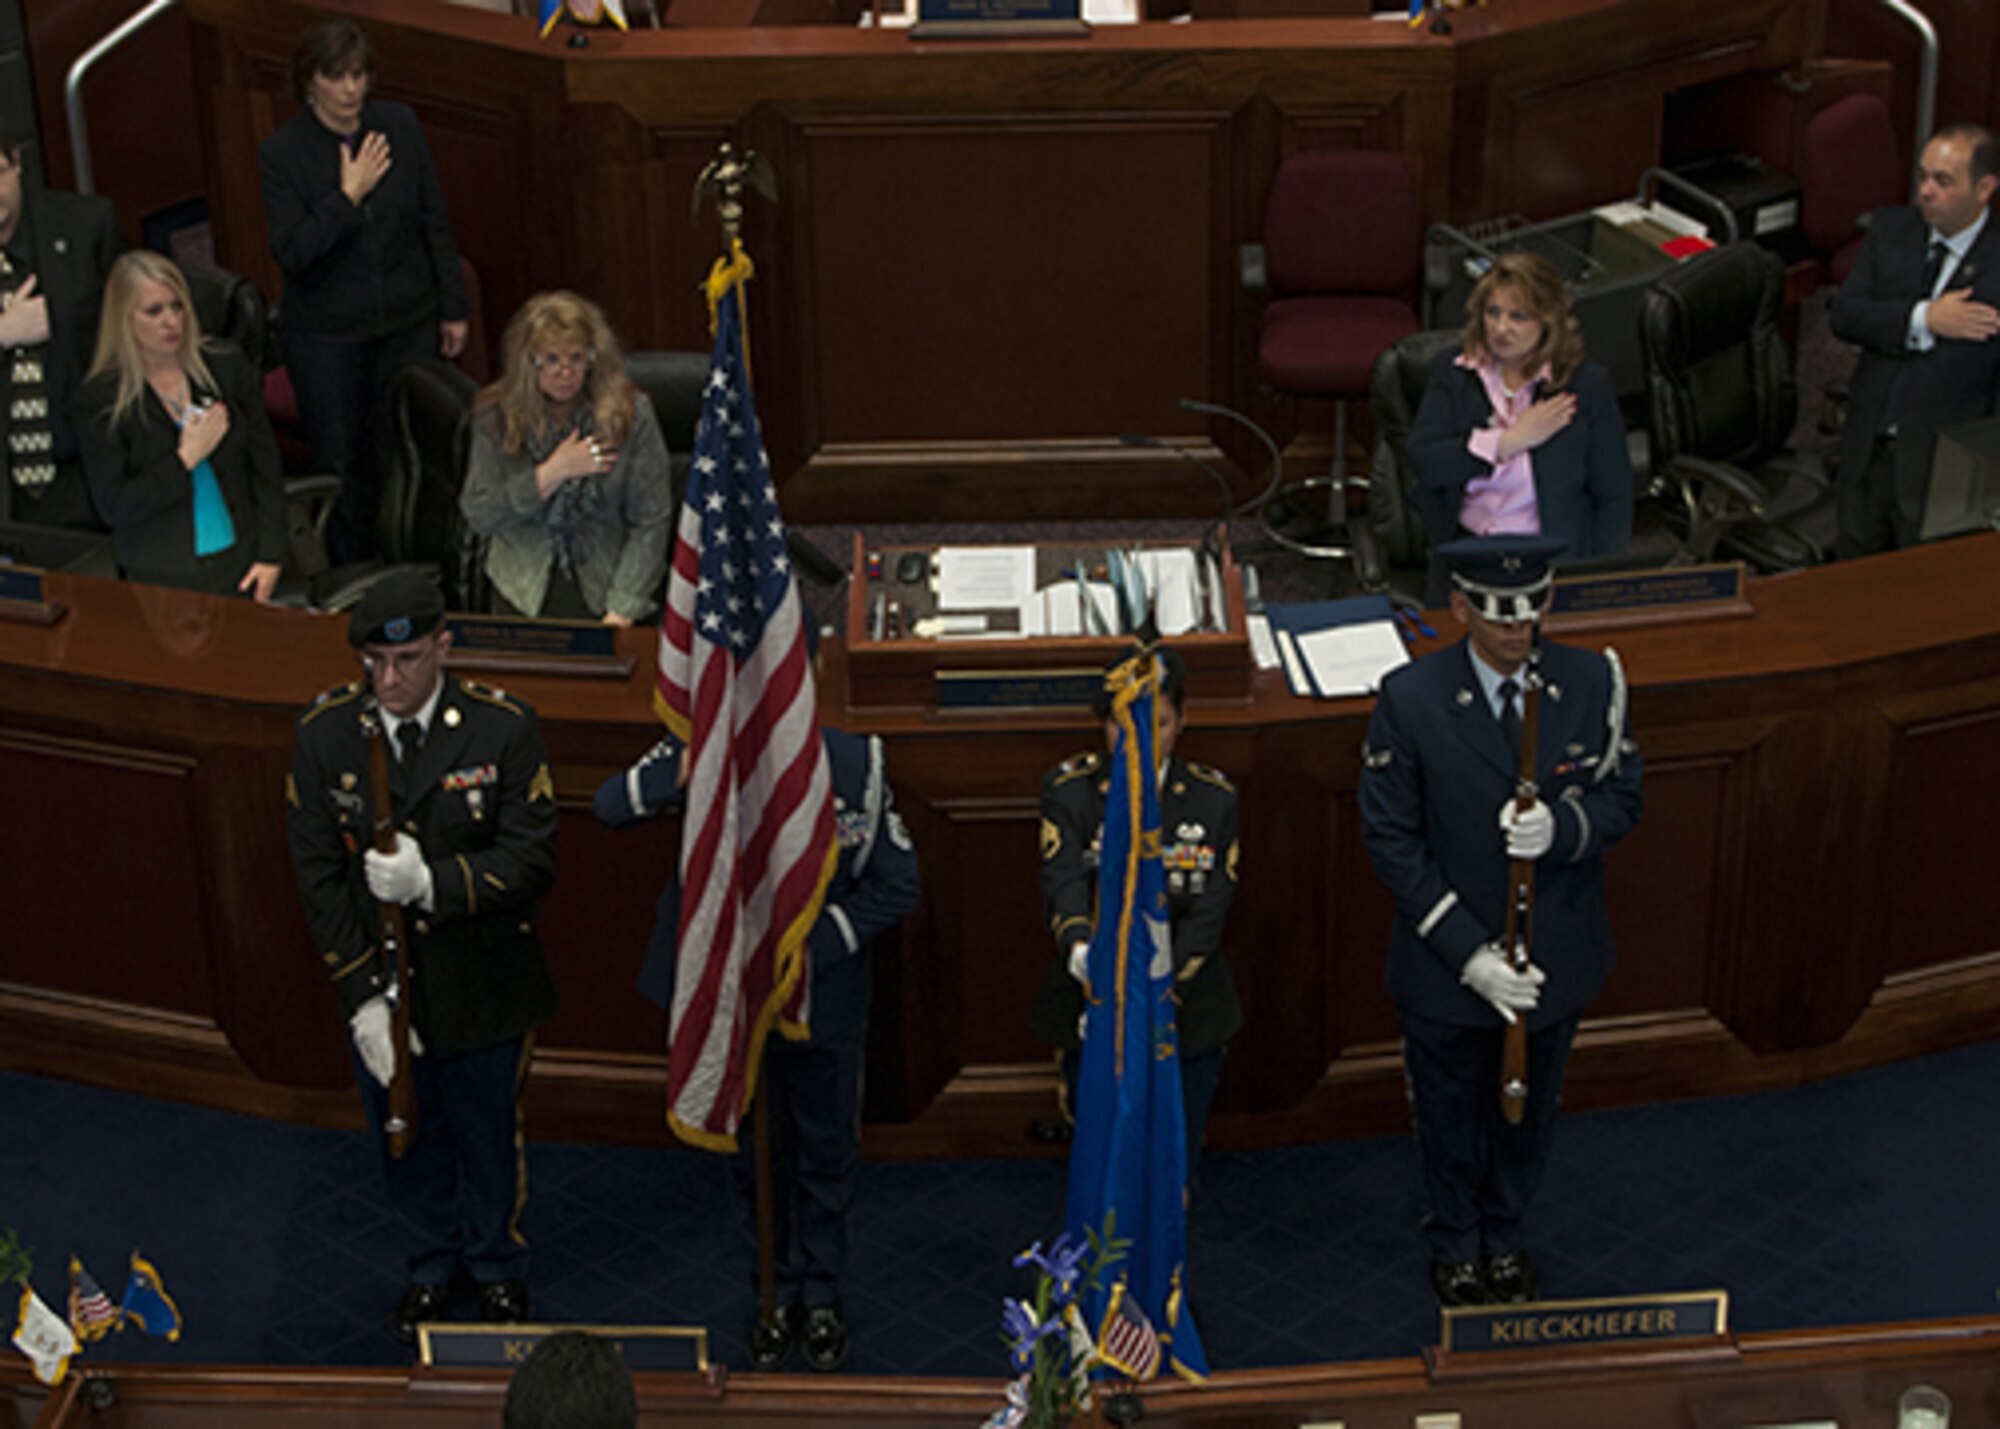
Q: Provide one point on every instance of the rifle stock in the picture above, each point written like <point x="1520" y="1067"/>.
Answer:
<point x="1519" y="936"/>
<point x="401" y="1125"/>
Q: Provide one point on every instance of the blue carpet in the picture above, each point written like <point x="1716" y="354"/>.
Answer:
<point x="1862" y="1199"/>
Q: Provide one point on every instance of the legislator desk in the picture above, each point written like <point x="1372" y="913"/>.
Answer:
<point x="1810" y="891"/>
<point x="1850" y="1377"/>
<point x="989" y="258"/>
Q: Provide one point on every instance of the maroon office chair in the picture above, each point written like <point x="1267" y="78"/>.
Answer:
<point x="1851" y="168"/>
<point x="1342" y="257"/>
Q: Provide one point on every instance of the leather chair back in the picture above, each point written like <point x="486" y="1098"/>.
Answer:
<point x="674" y="381"/>
<point x="1343" y="221"/>
<point x="1396" y="390"/>
<point x="228" y="306"/>
<point x="1718" y="376"/>
<point x="421" y="522"/>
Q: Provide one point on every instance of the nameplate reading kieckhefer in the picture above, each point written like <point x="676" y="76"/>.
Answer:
<point x="515" y="644"/>
<point x="672" y="1349"/>
<point x="1623" y="1320"/>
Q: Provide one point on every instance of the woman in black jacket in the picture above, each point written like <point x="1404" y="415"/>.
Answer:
<point x="176" y="444"/>
<point x="357" y="221"/>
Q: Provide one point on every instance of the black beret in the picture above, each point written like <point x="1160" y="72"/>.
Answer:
<point x="402" y="606"/>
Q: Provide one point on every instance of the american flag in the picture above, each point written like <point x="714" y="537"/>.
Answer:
<point x="91" y="1313"/>
<point x="1128" y="1342"/>
<point x="757" y="841"/>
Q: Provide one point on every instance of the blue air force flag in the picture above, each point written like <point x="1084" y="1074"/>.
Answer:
<point x="1128" y="1159"/>
<point x="147" y="1303"/>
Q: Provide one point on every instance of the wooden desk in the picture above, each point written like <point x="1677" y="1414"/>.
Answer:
<point x="990" y="258"/>
<point x="1852" y="1377"/>
<point x="1809" y="892"/>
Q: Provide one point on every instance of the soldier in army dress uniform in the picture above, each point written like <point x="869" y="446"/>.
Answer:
<point x="1438" y="813"/>
<point x="475" y="820"/>
<point x="1198" y="851"/>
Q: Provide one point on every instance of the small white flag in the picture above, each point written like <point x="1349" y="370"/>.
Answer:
<point x="44" y="1337"/>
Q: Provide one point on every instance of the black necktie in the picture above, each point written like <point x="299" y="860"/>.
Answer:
<point x="1933" y="265"/>
<point x="410" y="738"/>
<point x="1510" y="713"/>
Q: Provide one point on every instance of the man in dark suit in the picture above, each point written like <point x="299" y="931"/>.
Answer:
<point x="55" y="250"/>
<point x="1923" y="305"/>
<point x="815" y="1084"/>
<point x="1198" y="851"/>
<point x="1439" y="799"/>
<point x="475" y="817"/>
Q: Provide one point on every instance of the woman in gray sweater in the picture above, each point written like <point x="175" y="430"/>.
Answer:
<point x="569" y="476"/>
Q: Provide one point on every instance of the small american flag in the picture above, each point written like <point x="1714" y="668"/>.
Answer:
<point x="735" y="683"/>
<point x="91" y="1313"/>
<point x="1128" y="1342"/>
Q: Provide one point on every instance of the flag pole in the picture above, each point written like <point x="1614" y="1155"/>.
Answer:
<point x="767" y="1251"/>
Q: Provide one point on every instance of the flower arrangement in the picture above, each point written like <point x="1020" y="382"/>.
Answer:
<point x="1047" y="1340"/>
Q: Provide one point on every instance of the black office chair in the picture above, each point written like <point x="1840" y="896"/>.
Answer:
<point x="1395" y="391"/>
<point x="420" y="523"/>
<point x="675" y="381"/>
<point x="1722" y="400"/>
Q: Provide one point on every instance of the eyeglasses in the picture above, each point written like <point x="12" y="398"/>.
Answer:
<point x="562" y="361"/>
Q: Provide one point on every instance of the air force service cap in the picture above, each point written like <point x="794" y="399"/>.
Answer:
<point x="402" y="606"/>
<point x="1504" y="577"/>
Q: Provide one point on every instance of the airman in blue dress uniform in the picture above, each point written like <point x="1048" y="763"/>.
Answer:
<point x="1438" y="808"/>
<point x="815" y="1085"/>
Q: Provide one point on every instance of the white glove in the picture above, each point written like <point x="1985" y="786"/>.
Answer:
<point x="370" y="1024"/>
<point x="1488" y="974"/>
<point x="1079" y="962"/>
<point x="399" y="877"/>
<point x="1529" y="834"/>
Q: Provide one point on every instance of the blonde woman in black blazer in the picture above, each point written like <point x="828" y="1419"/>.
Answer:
<point x="176" y="444"/>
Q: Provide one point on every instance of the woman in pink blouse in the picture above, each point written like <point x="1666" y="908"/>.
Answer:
<point x="1519" y="434"/>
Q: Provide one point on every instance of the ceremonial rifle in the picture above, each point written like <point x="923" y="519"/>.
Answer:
<point x="401" y="1125"/>
<point x="1518" y="939"/>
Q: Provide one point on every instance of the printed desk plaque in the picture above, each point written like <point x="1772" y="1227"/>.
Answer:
<point x="1013" y="691"/>
<point x="1685" y="1323"/>
<point x="669" y="1349"/>
<point x="997" y="19"/>
<point x="22" y="597"/>
<point x="1672" y="593"/>
<point x="517" y="645"/>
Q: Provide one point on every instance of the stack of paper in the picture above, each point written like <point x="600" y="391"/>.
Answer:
<point x="1332" y="649"/>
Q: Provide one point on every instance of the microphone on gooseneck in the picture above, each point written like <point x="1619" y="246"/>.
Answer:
<point x="1216" y="409"/>
<point x="1146" y="439"/>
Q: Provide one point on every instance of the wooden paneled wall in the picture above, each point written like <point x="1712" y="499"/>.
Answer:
<point x="1807" y="893"/>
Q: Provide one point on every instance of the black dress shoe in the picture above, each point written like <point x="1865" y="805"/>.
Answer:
<point x="420" y="1305"/>
<point x="503" y="1302"/>
<point x="1457" y="1282"/>
<point x="771" y="1340"/>
<point x="1510" y="1279"/>
<point x="826" y="1338"/>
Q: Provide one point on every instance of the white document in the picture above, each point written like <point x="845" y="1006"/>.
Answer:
<point x="1057" y="610"/>
<point x="1170" y="579"/>
<point x="985" y="577"/>
<point x="1263" y="649"/>
<point x="1352" y="659"/>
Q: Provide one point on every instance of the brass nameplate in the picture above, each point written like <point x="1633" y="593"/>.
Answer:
<point x="1004" y="691"/>
<point x="1638" y="597"/>
<point x="535" y="647"/>
<point x="22" y="597"/>
<point x="674" y="1349"/>
<point x="1556" y="1324"/>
